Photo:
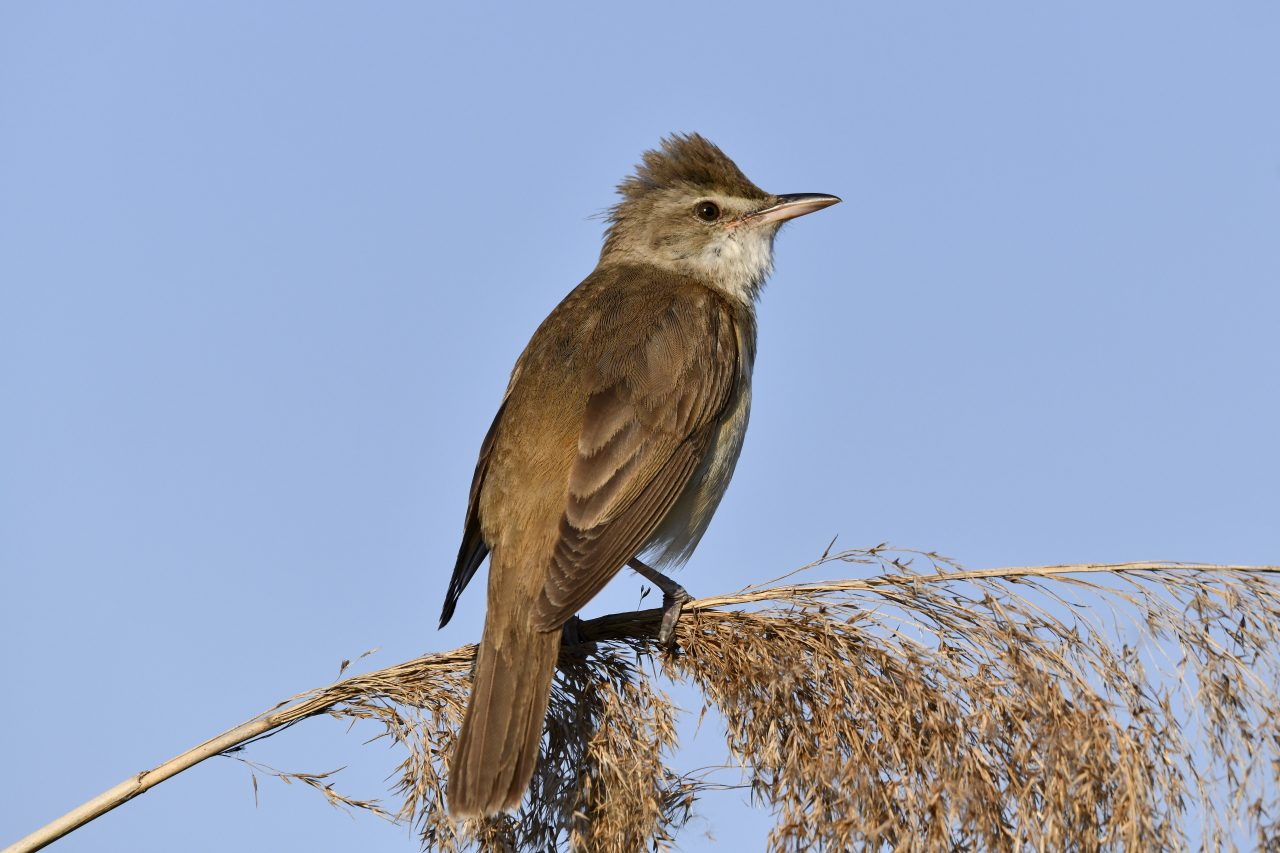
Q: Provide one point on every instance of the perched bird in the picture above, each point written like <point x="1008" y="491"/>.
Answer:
<point x="616" y="437"/>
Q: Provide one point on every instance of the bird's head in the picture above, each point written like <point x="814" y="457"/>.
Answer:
<point x="690" y="209"/>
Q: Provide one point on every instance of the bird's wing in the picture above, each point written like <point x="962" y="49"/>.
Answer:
<point x="473" y="549"/>
<point x="652" y="412"/>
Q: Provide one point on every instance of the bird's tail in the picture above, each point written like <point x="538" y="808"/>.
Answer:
<point x="497" y="748"/>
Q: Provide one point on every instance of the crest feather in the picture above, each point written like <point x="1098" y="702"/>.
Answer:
<point x="688" y="160"/>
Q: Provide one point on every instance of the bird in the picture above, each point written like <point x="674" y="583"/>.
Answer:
<point x="616" y="438"/>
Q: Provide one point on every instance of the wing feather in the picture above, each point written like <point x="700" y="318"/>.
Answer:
<point x="655" y="360"/>
<point x="474" y="548"/>
<point x="644" y="433"/>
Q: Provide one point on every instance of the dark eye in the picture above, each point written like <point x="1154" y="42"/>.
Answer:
<point x="707" y="211"/>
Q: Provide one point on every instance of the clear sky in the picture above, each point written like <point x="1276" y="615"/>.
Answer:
<point x="264" y="268"/>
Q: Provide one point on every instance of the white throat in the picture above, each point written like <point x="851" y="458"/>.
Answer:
<point x="738" y="261"/>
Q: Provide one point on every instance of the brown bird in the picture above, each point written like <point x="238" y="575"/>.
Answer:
<point x="617" y="436"/>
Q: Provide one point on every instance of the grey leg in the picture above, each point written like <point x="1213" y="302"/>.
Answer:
<point x="674" y="598"/>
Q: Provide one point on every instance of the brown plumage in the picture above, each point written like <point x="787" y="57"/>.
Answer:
<point x="617" y="435"/>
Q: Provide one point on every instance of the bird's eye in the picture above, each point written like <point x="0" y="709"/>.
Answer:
<point x="707" y="211"/>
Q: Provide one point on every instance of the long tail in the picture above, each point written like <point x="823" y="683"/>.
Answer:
<point x="497" y="747"/>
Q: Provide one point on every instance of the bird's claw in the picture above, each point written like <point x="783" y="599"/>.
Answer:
<point x="672" y="606"/>
<point x="674" y="598"/>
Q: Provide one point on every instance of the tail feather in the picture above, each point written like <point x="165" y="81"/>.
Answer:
<point x="497" y="748"/>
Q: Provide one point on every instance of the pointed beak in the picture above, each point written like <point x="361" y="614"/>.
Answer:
<point x="786" y="207"/>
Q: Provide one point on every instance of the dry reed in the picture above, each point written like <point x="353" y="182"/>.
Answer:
<point x="1084" y="707"/>
<point x="1045" y="708"/>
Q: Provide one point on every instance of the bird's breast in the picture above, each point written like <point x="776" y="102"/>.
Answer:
<point x="679" y="533"/>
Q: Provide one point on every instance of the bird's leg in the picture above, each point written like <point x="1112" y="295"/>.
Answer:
<point x="674" y="598"/>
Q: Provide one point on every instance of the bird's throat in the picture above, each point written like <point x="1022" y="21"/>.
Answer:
<point x="738" y="262"/>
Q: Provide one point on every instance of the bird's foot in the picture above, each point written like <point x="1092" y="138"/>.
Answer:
<point x="674" y="598"/>
<point x="672" y="607"/>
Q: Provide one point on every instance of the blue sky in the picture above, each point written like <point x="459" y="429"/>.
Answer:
<point x="264" y="268"/>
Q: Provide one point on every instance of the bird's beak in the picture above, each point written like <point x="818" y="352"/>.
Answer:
<point x="786" y="207"/>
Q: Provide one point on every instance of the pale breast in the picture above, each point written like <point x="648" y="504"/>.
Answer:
<point x="679" y="533"/>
